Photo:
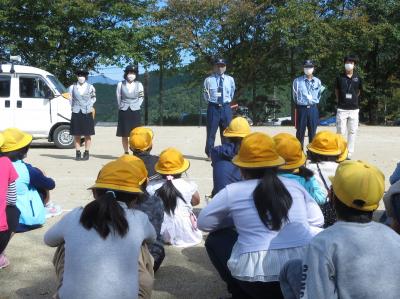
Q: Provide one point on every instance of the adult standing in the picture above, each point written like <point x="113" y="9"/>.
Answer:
<point x="348" y="88"/>
<point x="219" y="89"/>
<point x="130" y="97"/>
<point x="83" y="96"/>
<point x="306" y="95"/>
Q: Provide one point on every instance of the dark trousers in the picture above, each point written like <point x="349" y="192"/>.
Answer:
<point x="12" y="213"/>
<point x="307" y="117"/>
<point x="219" y="246"/>
<point x="217" y="117"/>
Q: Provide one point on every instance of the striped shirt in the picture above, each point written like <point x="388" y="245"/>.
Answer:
<point x="12" y="194"/>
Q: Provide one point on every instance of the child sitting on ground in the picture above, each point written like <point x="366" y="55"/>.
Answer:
<point x="224" y="171"/>
<point x="179" y="227"/>
<point x="103" y="256"/>
<point x="9" y="214"/>
<point x="141" y="144"/>
<point x="323" y="152"/>
<point x="153" y="207"/>
<point x="356" y="257"/>
<point x="274" y="218"/>
<point x="289" y="148"/>
<point x="33" y="186"/>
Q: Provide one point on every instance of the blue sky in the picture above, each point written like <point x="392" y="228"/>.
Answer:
<point x="116" y="73"/>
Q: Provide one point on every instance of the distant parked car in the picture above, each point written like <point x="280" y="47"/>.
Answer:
<point x="330" y="121"/>
<point x="279" y="121"/>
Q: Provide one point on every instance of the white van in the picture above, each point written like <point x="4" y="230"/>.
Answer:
<point x="34" y="101"/>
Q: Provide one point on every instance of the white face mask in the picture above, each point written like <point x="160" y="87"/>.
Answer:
<point x="131" y="77"/>
<point x="349" y="67"/>
<point x="308" y="71"/>
<point x="81" y="80"/>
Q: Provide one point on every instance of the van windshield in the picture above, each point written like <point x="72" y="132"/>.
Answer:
<point x="57" y="84"/>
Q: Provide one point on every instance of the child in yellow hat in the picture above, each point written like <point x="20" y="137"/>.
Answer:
<point x="9" y="214"/>
<point x="324" y="152"/>
<point x="289" y="148"/>
<point x="141" y="144"/>
<point x="356" y="257"/>
<point x="274" y="219"/>
<point x="33" y="197"/>
<point x="153" y="207"/>
<point x="179" y="227"/>
<point x="224" y="171"/>
<point x="103" y="241"/>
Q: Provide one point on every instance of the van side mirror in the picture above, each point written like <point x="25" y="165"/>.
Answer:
<point x="49" y="94"/>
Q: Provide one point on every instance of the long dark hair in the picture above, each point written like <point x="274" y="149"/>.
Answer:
<point x="105" y="215"/>
<point x="169" y="195"/>
<point x="305" y="173"/>
<point x="271" y="198"/>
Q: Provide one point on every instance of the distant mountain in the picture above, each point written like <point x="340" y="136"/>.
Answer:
<point x="101" y="79"/>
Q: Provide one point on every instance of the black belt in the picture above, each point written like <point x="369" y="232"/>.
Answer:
<point x="218" y="105"/>
<point x="307" y="106"/>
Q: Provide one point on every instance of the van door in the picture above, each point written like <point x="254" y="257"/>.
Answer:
<point x="32" y="112"/>
<point x="6" y="107"/>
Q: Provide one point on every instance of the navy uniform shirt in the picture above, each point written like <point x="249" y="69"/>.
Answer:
<point x="350" y="87"/>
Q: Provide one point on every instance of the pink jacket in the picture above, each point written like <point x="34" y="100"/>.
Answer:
<point x="7" y="176"/>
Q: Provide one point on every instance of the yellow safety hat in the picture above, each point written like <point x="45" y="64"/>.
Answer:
<point x="141" y="138"/>
<point x="325" y="143"/>
<point x="14" y="139"/>
<point x="171" y="161"/>
<point x="257" y="151"/>
<point x="1" y="139"/>
<point x="289" y="148"/>
<point x="239" y="127"/>
<point x="358" y="185"/>
<point x="125" y="174"/>
<point x="343" y="148"/>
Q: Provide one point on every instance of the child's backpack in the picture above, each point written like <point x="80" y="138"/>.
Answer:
<point x="327" y="209"/>
<point x="29" y="202"/>
<point x="32" y="209"/>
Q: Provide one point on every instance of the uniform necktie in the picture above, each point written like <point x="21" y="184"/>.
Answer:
<point x="221" y="90"/>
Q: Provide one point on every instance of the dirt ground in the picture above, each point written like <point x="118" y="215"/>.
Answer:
<point x="185" y="273"/>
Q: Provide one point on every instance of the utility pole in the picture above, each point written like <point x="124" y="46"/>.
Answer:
<point x="146" y="95"/>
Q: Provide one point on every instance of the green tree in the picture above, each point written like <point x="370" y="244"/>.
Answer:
<point x="64" y="35"/>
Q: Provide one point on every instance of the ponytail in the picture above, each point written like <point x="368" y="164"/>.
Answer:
<point x="305" y="173"/>
<point x="105" y="214"/>
<point x="272" y="200"/>
<point x="169" y="195"/>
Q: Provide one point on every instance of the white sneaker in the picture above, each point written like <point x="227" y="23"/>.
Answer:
<point x="52" y="210"/>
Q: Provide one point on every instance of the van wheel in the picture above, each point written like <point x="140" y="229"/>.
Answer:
<point x="62" y="138"/>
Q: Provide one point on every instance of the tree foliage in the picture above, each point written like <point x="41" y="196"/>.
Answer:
<point x="264" y="41"/>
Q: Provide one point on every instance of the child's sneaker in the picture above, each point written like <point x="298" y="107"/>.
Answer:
<point x="4" y="262"/>
<point x="52" y="210"/>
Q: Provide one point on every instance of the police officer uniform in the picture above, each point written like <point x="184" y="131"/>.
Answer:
<point x="219" y="90"/>
<point x="306" y="96"/>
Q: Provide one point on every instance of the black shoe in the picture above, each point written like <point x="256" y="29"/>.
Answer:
<point x="78" y="156"/>
<point x="126" y="153"/>
<point x="85" y="156"/>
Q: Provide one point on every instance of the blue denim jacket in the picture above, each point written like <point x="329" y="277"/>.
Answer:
<point x="211" y="88"/>
<point x="304" y="94"/>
